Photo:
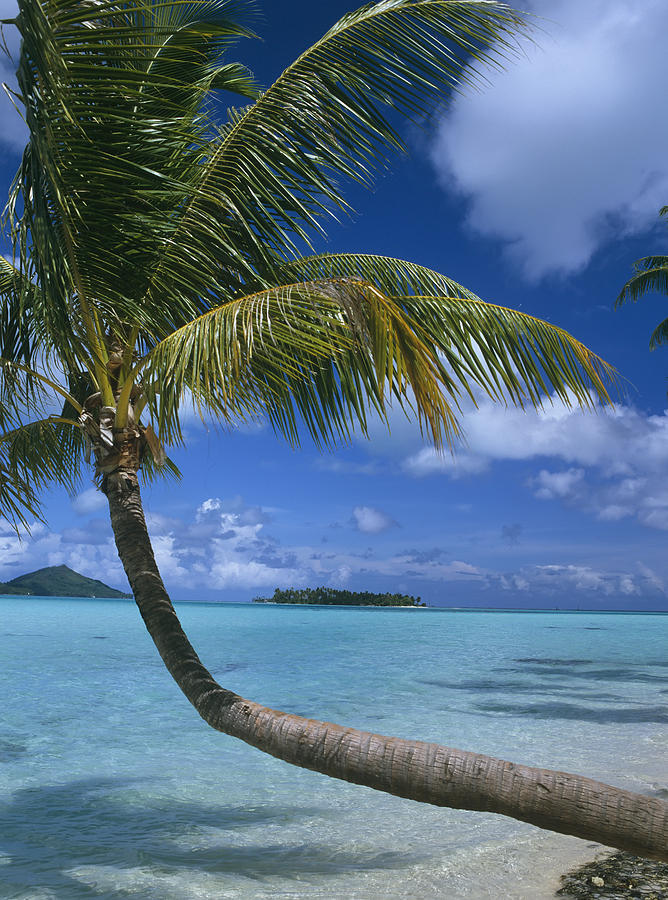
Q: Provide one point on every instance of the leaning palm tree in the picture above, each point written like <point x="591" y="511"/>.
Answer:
<point x="159" y="260"/>
<point x="650" y="274"/>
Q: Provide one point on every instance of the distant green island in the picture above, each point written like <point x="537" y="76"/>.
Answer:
<point x="325" y="596"/>
<point x="58" y="581"/>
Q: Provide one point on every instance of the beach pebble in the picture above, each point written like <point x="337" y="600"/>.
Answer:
<point x="620" y="876"/>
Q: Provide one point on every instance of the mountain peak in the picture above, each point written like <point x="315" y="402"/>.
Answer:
<point x="58" y="581"/>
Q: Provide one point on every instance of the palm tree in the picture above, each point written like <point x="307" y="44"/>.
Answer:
<point x="650" y="274"/>
<point x="158" y="259"/>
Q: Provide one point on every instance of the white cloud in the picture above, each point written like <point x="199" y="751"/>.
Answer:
<point x="12" y="553"/>
<point x="566" y="148"/>
<point x="651" y="578"/>
<point x="89" y="501"/>
<point x="553" y="580"/>
<point x="168" y="557"/>
<point x="84" y="551"/>
<point x="549" y="485"/>
<point x="495" y="432"/>
<point x="100" y="561"/>
<point x="370" y="520"/>
<point x="225" y="548"/>
<point x="233" y="510"/>
<point x="207" y="506"/>
<point x="428" y="461"/>
<point x="615" y="458"/>
<point x="231" y="552"/>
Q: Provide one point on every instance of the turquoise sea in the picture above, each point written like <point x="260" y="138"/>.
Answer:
<point x="111" y="786"/>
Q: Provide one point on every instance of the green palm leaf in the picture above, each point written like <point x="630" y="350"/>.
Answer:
<point x="114" y="98"/>
<point x="26" y="393"/>
<point x="510" y="355"/>
<point x="319" y="352"/>
<point x="395" y="277"/>
<point x="275" y="169"/>
<point x="650" y="275"/>
<point x="33" y="457"/>
<point x="18" y="340"/>
<point x="325" y="352"/>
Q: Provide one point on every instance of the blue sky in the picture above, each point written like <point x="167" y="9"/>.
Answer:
<point x="537" y="192"/>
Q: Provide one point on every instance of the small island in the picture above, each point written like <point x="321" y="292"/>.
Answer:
<point x="58" y="581"/>
<point x="326" y="596"/>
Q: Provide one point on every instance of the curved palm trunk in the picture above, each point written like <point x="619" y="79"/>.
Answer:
<point x="430" y="773"/>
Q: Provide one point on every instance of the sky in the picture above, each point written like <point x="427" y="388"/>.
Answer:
<point x="538" y="191"/>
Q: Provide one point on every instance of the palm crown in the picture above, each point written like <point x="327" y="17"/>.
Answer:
<point x="152" y="242"/>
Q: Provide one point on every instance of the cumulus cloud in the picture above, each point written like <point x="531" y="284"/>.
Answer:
<point x="562" y="581"/>
<point x="224" y="547"/>
<point x="565" y="148"/>
<point x="370" y="520"/>
<point x="428" y="461"/>
<point x="550" y="485"/>
<point x="12" y="552"/>
<point x="90" y="551"/>
<point x="612" y="461"/>
<point x="89" y="501"/>
<point x="221" y="545"/>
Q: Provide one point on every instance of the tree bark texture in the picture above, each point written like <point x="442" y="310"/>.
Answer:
<point x="426" y="772"/>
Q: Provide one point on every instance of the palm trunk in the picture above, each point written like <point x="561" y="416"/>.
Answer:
<point x="429" y="773"/>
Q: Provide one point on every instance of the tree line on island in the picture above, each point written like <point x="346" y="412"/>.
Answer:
<point x="327" y="596"/>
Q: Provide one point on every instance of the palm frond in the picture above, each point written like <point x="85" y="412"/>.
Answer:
<point x="324" y="353"/>
<point x="151" y="471"/>
<point x="659" y="335"/>
<point x="510" y="355"/>
<point x="395" y="277"/>
<point x="651" y="275"/>
<point x="319" y="353"/>
<point x="18" y="339"/>
<point x="35" y="456"/>
<point x="25" y="392"/>
<point x="115" y="99"/>
<point x="275" y="169"/>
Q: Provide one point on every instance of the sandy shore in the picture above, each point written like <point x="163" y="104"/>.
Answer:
<point x="547" y="866"/>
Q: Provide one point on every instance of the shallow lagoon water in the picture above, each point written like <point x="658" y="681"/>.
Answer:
<point x="111" y="786"/>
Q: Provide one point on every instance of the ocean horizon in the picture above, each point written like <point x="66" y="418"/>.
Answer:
<point x="111" y="785"/>
<point x="185" y="601"/>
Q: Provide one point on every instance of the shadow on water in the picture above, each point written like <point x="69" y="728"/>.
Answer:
<point x="550" y="661"/>
<point x="606" y="673"/>
<point x="514" y="686"/>
<point x="602" y="715"/>
<point x="12" y="749"/>
<point x="49" y="833"/>
<point x="548" y="679"/>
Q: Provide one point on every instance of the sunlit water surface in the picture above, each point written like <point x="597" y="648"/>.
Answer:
<point x="111" y="786"/>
